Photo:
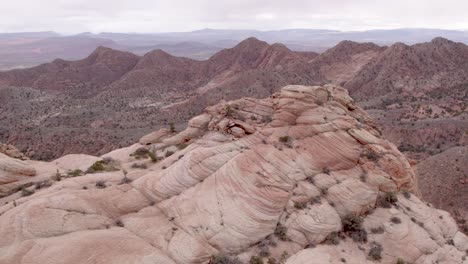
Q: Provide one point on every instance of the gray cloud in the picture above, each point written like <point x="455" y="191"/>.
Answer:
<point x="72" y="16"/>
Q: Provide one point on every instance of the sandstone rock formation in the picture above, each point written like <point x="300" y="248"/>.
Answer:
<point x="300" y="177"/>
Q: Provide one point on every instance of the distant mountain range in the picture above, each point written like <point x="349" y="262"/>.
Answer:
<point x="21" y="50"/>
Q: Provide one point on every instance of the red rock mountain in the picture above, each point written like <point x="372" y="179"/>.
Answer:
<point x="159" y="88"/>
<point x="413" y="70"/>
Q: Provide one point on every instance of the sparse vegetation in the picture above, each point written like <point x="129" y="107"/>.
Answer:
<point x="101" y="184"/>
<point x="75" y="173"/>
<point x="172" y="127"/>
<point x="300" y="205"/>
<point x="280" y="232"/>
<point x="407" y="194"/>
<point x="395" y="220"/>
<point x="378" y="230"/>
<point x="140" y="153"/>
<point x="370" y="155"/>
<point x="119" y="223"/>
<point x="256" y="260"/>
<point x="106" y="164"/>
<point x="352" y="226"/>
<point x="26" y="192"/>
<point x="400" y="261"/>
<point x="42" y="184"/>
<point x="284" y="139"/>
<point x="333" y="238"/>
<point x="375" y="252"/>
<point x="168" y="153"/>
<point x="387" y="200"/>
<point x="153" y="157"/>
<point x="139" y="166"/>
<point x="224" y="259"/>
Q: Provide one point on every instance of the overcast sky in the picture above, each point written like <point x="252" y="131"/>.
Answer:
<point x="73" y="16"/>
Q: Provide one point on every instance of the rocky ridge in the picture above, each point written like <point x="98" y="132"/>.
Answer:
<point x="303" y="176"/>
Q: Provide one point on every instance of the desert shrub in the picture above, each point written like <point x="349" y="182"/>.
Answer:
<point x="75" y="173"/>
<point x="119" y="223"/>
<point x="300" y="205"/>
<point x="272" y="261"/>
<point x="229" y="111"/>
<point x="101" y="184"/>
<point x="106" y="164"/>
<point x="395" y="220"/>
<point x="57" y="176"/>
<point x="387" y="200"/>
<point x="406" y="194"/>
<point x="324" y="191"/>
<point x="153" y="157"/>
<point x="315" y="200"/>
<point x="352" y="223"/>
<point x="400" y="261"/>
<point x="139" y="166"/>
<point x="172" y="127"/>
<point x="370" y="155"/>
<point x="223" y="259"/>
<point x="363" y="177"/>
<point x="256" y="260"/>
<point x="333" y="239"/>
<point x="326" y="170"/>
<point x="264" y="252"/>
<point x="96" y="167"/>
<point x="343" y="260"/>
<point x="252" y="117"/>
<point x="140" y="153"/>
<point x="310" y="179"/>
<point x="375" y="252"/>
<point x="168" y="153"/>
<point x="352" y="226"/>
<point x="283" y="139"/>
<point x="266" y="119"/>
<point x="378" y="230"/>
<point x="280" y="232"/>
<point x="182" y="145"/>
<point x="284" y="256"/>
<point x="125" y="180"/>
<point x="42" y="184"/>
<point x="25" y="192"/>
<point x="359" y="235"/>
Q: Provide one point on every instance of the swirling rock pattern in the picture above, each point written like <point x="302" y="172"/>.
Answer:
<point x="273" y="178"/>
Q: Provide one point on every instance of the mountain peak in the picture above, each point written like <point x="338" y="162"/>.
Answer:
<point x="440" y="41"/>
<point x="250" y="43"/>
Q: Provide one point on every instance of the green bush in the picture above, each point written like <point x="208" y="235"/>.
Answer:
<point x="96" y="167"/>
<point x="75" y="173"/>
<point x="106" y="164"/>
<point x="153" y="157"/>
<point x="256" y="260"/>
<point x="284" y="139"/>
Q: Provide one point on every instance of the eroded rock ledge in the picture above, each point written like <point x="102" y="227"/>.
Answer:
<point x="300" y="177"/>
